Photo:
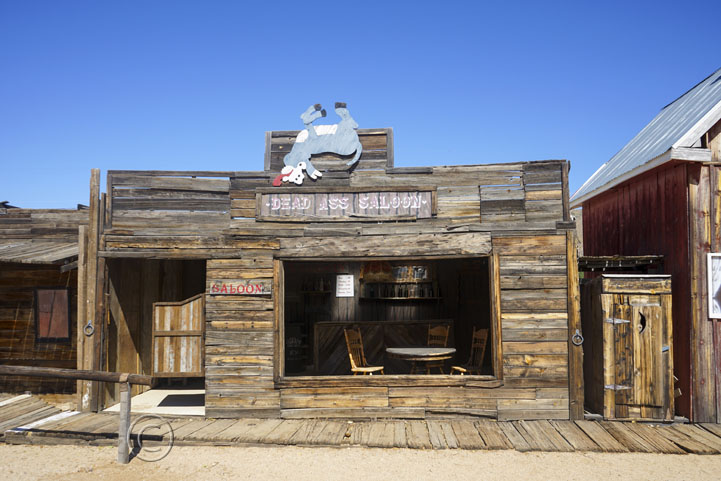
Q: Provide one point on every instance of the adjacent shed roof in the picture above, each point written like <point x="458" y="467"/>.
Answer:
<point x="26" y="251"/>
<point x="680" y="124"/>
<point x="40" y="236"/>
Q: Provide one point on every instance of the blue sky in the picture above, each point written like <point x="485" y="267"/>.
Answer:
<point x="193" y="85"/>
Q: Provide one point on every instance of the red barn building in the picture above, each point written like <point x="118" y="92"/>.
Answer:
<point x="661" y="194"/>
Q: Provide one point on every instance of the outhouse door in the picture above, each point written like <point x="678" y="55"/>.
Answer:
<point x="178" y="338"/>
<point x="637" y="338"/>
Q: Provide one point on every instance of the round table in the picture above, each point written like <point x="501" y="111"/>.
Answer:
<point x="421" y="354"/>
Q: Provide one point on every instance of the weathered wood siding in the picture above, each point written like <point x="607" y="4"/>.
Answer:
<point x="44" y="234"/>
<point x="240" y="341"/>
<point x="18" y="345"/>
<point x="377" y="151"/>
<point x="534" y="321"/>
<point x="674" y="211"/>
<point x="514" y="214"/>
<point x="60" y="225"/>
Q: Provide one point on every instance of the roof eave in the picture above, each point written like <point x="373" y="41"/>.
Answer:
<point x="687" y="154"/>
<point x="701" y="127"/>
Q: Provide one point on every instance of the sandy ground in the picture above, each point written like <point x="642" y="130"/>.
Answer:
<point x="368" y="464"/>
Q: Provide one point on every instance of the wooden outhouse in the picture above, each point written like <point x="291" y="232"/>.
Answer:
<point x="661" y="195"/>
<point x="38" y="294"/>
<point x="628" y="347"/>
<point x="284" y="272"/>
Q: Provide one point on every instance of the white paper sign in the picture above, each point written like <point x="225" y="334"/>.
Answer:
<point x="714" y="285"/>
<point x="344" y="285"/>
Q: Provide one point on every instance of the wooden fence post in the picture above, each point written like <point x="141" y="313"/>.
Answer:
<point x="124" y="422"/>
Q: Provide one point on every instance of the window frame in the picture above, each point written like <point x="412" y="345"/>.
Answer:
<point x="47" y="340"/>
<point x="281" y="379"/>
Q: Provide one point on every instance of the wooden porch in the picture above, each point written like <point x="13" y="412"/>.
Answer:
<point x="441" y="433"/>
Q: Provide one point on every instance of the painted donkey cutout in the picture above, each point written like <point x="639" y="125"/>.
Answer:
<point x="340" y="138"/>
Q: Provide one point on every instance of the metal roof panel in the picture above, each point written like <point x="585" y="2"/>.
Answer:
<point x="661" y="134"/>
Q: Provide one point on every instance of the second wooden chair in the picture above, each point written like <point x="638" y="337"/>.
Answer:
<point x="478" y="350"/>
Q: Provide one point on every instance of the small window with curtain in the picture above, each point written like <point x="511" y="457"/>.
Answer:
<point x="52" y="315"/>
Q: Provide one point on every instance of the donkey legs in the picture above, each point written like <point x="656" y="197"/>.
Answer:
<point x="313" y="173"/>
<point x="310" y="115"/>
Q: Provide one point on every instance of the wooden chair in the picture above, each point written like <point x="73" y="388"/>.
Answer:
<point x="357" y="357"/>
<point x="437" y="337"/>
<point x="478" y="350"/>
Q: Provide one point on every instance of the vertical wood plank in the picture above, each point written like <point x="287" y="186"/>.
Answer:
<point x="390" y="158"/>
<point x="100" y="318"/>
<point x="109" y="204"/>
<point x="278" y="330"/>
<point x="266" y="159"/>
<point x="565" y="193"/>
<point x="715" y="192"/>
<point x="81" y="306"/>
<point x="669" y="400"/>
<point x="496" y="330"/>
<point x="575" y="353"/>
<point x="609" y="368"/>
<point x="704" y="379"/>
<point x="88" y="396"/>
<point x="623" y="351"/>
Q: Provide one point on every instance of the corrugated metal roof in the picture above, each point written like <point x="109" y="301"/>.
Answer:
<point x="26" y="251"/>
<point x="665" y="131"/>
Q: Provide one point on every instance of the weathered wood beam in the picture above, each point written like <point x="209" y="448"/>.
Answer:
<point x="82" y="374"/>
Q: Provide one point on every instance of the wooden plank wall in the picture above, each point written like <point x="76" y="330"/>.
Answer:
<point x="47" y="224"/>
<point x="185" y="201"/>
<point x="240" y="341"/>
<point x="509" y="211"/>
<point x="17" y="327"/>
<point x="17" y="284"/>
<point x="377" y="151"/>
<point x="534" y="321"/>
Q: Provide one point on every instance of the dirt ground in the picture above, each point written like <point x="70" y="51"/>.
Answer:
<point x="368" y="464"/>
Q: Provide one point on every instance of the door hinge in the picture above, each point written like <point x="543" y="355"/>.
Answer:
<point x="615" y="320"/>
<point x="616" y="387"/>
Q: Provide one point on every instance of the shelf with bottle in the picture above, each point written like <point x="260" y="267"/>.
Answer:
<point x="316" y="285"/>
<point x="401" y="291"/>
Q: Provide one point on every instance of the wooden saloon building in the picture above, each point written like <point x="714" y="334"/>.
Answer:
<point x="255" y="288"/>
<point x="661" y="195"/>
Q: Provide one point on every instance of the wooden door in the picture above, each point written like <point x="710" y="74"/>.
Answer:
<point x="178" y="340"/>
<point x="638" y="346"/>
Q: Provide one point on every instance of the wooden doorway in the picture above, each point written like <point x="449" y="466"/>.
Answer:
<point x="134" y="287"/>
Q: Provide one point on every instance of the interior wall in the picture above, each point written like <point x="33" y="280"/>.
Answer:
<point x="133" y="286"/>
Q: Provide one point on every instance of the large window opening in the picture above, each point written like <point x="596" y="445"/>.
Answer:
<point x="399" y="307"/>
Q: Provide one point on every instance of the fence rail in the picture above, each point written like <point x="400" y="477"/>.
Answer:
<point x="125" y="380"/>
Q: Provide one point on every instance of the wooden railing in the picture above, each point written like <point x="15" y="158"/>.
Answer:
<point x="125" y="380"/>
